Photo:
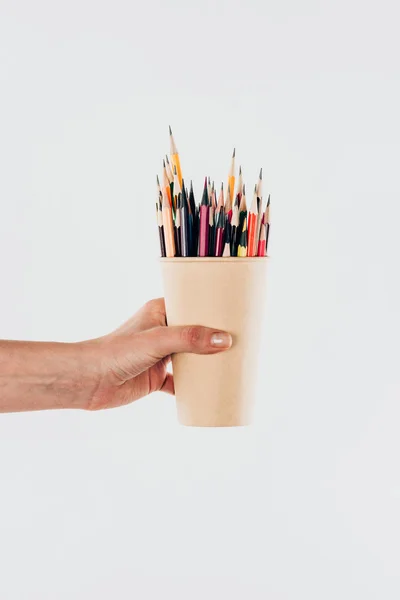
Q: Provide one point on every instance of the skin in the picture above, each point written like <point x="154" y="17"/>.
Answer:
<point x="107" y="372"/>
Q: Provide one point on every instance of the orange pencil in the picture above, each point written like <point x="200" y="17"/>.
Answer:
<point x="168" y="225"/>
<point x="231" y="178"/>
<point x="175" y="157"/>
<point x="252" y="225"/>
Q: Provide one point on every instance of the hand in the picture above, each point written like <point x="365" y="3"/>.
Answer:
<point x="133" y="360"/>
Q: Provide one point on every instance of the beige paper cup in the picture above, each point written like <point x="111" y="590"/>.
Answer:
<point x="226" y="294"/>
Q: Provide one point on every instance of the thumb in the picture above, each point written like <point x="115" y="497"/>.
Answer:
<point x="152" y="345"/>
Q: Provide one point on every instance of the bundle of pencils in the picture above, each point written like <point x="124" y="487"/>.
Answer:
<point x="222" y="227"/>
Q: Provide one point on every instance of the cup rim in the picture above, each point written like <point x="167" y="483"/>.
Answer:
<point x="214" y="259"/>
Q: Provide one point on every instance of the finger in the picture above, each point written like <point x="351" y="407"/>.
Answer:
<point x="154" y="344"/>
<point x="152" y="314"/>
<point x="168" y="385"/>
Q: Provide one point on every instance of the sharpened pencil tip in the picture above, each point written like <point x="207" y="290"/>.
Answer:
<point x="163" y="162"/>
<point x="261" y="173"/>
<point x="240" y="170"/>
<point x="205" y="182"/>
<point x="222" y="186"/>
<point x="244" y="190"/>
<point x="269" y="199"/>
<point x="170" y="130"/>
<point x="234" y="153"/>
<point x="158" y="181"/>
<point x="175" y="171"/>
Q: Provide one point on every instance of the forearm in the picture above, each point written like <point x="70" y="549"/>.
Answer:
<point x="45" y="375"/>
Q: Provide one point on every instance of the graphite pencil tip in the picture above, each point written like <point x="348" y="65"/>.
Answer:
<point x="163" y="162"/>
<point x="158" y="181"/>
<point x="234" y="153"/>
<point x="175" y="171"/>
<point x="166" y="156"/>
<point x="170" y="130"/>
<point x="269" y="199"/>
<point x="240" y="170"/>
<point x="244" y="190"/>
<point x="261" y="173"/>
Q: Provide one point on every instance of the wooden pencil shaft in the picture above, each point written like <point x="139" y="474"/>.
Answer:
<point x="204" y="230"/>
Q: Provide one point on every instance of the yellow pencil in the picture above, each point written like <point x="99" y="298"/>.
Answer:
<point x="242" y="249"/>
<point x="231" y="177"/>
<point x="175" y="157"/>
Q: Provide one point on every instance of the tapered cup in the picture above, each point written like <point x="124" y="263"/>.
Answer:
<point x="227" y="294"/>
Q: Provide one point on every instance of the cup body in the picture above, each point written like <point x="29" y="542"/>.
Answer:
<point x="227" y="294"/>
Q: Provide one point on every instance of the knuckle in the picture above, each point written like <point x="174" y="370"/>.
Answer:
<point x="192" y="335"/>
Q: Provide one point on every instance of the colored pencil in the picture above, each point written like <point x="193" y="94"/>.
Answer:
<point x="177" y="190"/>
<point x="204" y="222"/>
<point x="252" y="225"/>
<point x="233" y="228"/>
<point x="266" y="221"/>
<point x="262" y="242"/>
<point x="227" y="238"/>
<point x="219" y="232"/>
<point x="166" y="183"/>
<point x="231" y="178"/>
<point x="168" y="227"/>
<point x="175" y="157"/>
<point x="185" y="225"/>
<point x="160" y="230"/>
<point x="240" y="184"/>
<point x="260" y="185"/>
<point x="178" y="249"/>
<point x="242" y="248"/>
<point x="211" y="230"/>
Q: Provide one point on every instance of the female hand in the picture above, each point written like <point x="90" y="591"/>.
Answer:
<point x="134" y="358"/>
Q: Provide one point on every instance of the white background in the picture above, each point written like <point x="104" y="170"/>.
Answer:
<point x="125" y="503"/>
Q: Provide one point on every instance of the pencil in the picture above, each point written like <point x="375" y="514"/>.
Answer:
<point x="219" y="235"/>
<point x="177" y="189"/>
<point x="260" y="185"/>
<point x="166" y="183"/>
<point x="178" y="250"/>
<point x="175" y="157"/>
<point x="228" y="202"/>
<point x="262" y="242"/>
<point x="240" y="184"/>
<point x="227" y="238"/>
<point x="231" y="177"/>
<point x="192" y="203"/>
<point x="168" y="227"/>
<point x="252" y="225"/>
<point x="204" y="223"/>
<point x="233" y="228"/>
<point x="242" y="249"/>
<point x="160" y="230"/>
<point x="184" y="217"/>
<point x="211" y="230"/>
<point x="266" y="221"/>
<point x="259" y="220"/>
<point x="168" y="169"/>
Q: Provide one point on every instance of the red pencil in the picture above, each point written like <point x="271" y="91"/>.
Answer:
<point x="262" y="242"/>
<point x="252" y="225"/>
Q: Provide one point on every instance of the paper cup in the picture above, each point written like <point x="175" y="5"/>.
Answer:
<point x="226" y="294"/>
